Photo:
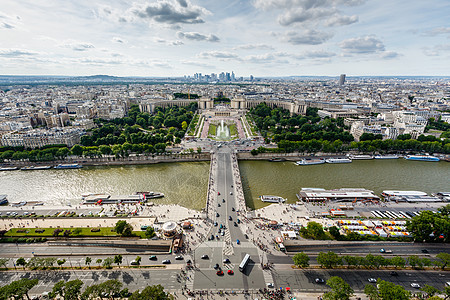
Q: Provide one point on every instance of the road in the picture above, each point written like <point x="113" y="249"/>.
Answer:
<point x="226" y="247"/>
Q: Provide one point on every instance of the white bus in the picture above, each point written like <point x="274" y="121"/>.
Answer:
<point x="244" y="262"/>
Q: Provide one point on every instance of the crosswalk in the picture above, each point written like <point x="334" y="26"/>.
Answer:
<point x="228" y="248"/>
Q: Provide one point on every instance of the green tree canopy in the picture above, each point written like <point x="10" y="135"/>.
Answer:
<point x="340" y="290"/>
<point x="301" y="260"/>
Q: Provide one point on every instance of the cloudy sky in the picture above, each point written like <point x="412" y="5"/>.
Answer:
<point x="258" y="37"/>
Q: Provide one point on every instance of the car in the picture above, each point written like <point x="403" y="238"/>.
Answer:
<point x="217" y="214"/>
<point x="215" y="224"/>
<point x="239" y="221"/>
<point x="219" y="273"/>
<point x="238" y="242"/>
<point x="211" y="237"/>
<point x="393" y="273"/>
<point x="230" y="218"/>
<point x="134" y="263"/>
<point x="246" y="236"/>
<point x="217" y="237"/>
<point x="189" y="261"/>
<point x="270" y="285"/>
<point x="179" y="257"/>
<point x="218" y="204"/>
<point x="382" y="250"/>
<point x="216" y="266"/>
<point x="235" y="224"/>
<point x="205" y="256"/>
<point x="222" y="233"/>
<point x="153" y="257"/>
<point x="319" y="280"/>
<point x="226" y="261"/>
<point x="372" y="280"/>
<point x="223" y="200"/>
<point x="230" y="272"/>
<point x="218" y="193"/>
<point x="166" y="261"/>
<point x="232" y="209"/>
<point x="424" y="251"/>
<point x="415" y="285"/>
<point x="231" y="193"/>
<point x="221" y="226"/>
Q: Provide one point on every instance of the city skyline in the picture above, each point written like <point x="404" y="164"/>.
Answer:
<point x="260" y="38"/>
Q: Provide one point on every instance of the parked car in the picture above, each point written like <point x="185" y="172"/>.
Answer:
<point x="319" y="280"/>
<point x="217" y="214"/>
<point x="232" y="209"/>
<point x="235" y="224"/>
<point x="205" y="256"/>
<point x="238" y="242"/>
<point x="166" y="261"/>
<point x="215" y="224"/>
<point x="230" y="218"/>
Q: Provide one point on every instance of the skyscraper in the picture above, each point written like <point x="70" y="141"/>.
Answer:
<point x="342" y="79"/>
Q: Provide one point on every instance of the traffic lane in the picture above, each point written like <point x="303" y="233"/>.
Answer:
<point x="375" y="249"/>
<point x="305" y="280"/>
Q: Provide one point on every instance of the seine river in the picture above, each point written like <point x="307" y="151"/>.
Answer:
<point x="286" y="179"/>
<point x="186" y="183"/>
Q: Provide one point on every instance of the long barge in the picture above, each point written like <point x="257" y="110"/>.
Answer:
<point x="422" y="157"/>
<point x="272" y="199"/>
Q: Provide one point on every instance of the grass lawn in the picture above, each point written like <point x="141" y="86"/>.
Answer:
<point x="48" y="232"/>
<point x="233" y="130"/>
<point x="212" y="130"/>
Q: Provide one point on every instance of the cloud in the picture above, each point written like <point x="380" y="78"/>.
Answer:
<point x="437" y="50"/>
<point x="254" y="47"/>
<point x="11" y="53"/>
<point x="197" y="64"/>
<point x="119" y="40"/>
<point x="171" y="12"/>
<point x="362" y="45"/>
<point x="307" y="37"/>
<point x="77" y="46"/>
<point x="195" y="36"/>
<point x="318" y="54"/>
<point x="389" y="55"/>
<point x="307" y="11"/>
<point x="7" y="26"/>
<point x="437" y="31"/>
<point x="218" y="54"/>
<point x="338" y="20"/>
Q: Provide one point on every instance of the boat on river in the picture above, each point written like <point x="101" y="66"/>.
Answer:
<point x="3" y="200"/>
<point x="422" y="157"/>
<point x="8" y="168"/>
<point x="150" y="195"/>
<point x="387" y="156"/>
<point x="32" y="168"/>
<point x="68" y="166"/>
<point x="338" y="160"/>
<point x="310" y="161"/>
<point x="277" y="159"/>
<point x="272" y="199"/>
<point x="360" y="157"/>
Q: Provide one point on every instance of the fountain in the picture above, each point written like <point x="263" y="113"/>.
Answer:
<point x="222" y="131"/>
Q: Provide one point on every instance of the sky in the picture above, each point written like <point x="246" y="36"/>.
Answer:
<point x="257" y="37"/>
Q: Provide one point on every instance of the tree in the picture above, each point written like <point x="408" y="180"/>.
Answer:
<point x="118" y="259"/>
<point x="149" y="232"/>
<point x="390" y="291"/>
<point x="19" y="288"/>
<point x="340" y="290"/>
<point x="371" y="292"/>
<point x="328" y="260"/>
<point x="138" y="260"/>
<point x="301" y="260"/>
<point x="430" y="290"/>
<point x="107" y="262"/>
<point x="60" y="262"/>
<point x="445" y="258"/>
<point x="334" y="231"/>
<point x="21" y="262"/>
<point x="446" y="292"/>
<point x="123" y="228"/>
<point x="150" y="292"/>
<point x="77" y="150"/>
<point x="352" y="260"/>
<point x="3" y="262"/>
<point x="88" y="261"/>
<point x="398" y="261"/>
<point x="99" y="261"/>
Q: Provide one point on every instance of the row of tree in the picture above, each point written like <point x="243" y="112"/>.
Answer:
<point x="72" y="290"/>
<point x="330" y="260"/>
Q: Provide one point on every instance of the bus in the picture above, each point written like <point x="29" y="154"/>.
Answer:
<point x="244" y="262"/>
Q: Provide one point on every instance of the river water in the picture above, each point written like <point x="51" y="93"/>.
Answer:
<point x="285" y="179"/>
<point x="186" y="183"/>
<point x="182" y="183"/>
